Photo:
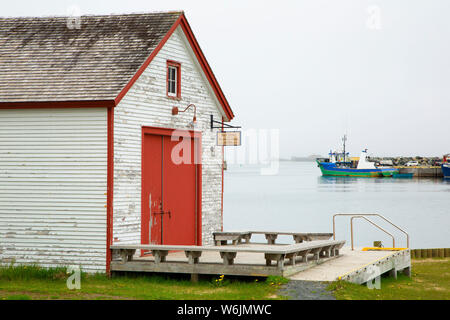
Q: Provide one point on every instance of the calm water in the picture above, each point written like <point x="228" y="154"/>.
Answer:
<point x="300" y="199"/>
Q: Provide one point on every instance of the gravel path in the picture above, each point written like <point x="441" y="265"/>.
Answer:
<point x="306" y="290"/>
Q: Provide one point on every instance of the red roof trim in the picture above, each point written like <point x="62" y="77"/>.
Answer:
<point x="206" y="68"/>
<point x="147" y="62"/>
<point x="200" y="57"/>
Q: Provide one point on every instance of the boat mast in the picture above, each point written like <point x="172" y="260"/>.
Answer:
<point x="344" y="139"/>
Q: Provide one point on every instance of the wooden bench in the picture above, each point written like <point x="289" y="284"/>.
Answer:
<point x="221" y="238"/>
<point x="320" y="248"/>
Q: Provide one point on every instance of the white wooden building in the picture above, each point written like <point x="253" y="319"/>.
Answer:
<point x="87" y="119"/>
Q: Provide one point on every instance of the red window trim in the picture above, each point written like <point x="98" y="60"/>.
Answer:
<point x="171" y="63"/>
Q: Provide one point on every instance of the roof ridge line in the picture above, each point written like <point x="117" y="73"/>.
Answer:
<point x="180" y="12"/>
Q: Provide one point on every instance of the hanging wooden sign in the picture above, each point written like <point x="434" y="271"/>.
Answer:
<point x="229" y="139"/>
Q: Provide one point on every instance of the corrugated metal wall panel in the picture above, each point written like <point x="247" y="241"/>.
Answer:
<point x="53" y="181"/>
<point x="146" y="104"/>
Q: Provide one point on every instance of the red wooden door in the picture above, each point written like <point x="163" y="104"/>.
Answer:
<point x="170" y="190"/>
<point x="151" y="199"/>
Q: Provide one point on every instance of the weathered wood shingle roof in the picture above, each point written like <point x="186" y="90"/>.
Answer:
<point x="42" y="59"/>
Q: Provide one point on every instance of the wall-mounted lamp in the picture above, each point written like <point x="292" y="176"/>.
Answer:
<point x="175" y="111"/>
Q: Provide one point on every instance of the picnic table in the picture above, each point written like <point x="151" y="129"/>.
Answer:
<point x="222" y="238"/>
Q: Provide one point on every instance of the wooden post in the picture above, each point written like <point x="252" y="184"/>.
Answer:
<point x="279" y="258"/>
<point x="424" y="253"/>
<point x="442" y="253"/>
<point x="280" y="262"/>
<point x="228" y="257"/>
<point x="333" y="251"/>
<point x="407" y="271"/>
<point x="271" y="238"/>
<point x="435" y="253"/>
<point x="193" y="256"/>
<point x="194" y="277"/>
<point x="123" y="256"/>
<point x="325" y="252"/>
<point x="160" y="255"/>
<point x="393" y="273"/>
<point x="418" y="253"/>
<point x="126" y="255"/>
<point x="292" y="257"/>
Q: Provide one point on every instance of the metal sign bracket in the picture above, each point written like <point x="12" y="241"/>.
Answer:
<point x="223" y="126"/>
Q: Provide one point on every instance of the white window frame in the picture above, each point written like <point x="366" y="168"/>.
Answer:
<point x="171" y="81"/>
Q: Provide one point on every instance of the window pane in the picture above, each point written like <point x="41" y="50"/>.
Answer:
<point x="172" y="80"/>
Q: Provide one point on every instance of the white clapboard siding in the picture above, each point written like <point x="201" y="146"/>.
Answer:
<point x="53" y="171"/>
<point x="146" y="104"/>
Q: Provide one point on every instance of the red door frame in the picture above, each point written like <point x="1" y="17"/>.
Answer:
<point x="183" y="133"/>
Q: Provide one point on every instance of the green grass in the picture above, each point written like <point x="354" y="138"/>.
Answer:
<point x="33" y="282"/>
<point x="28" y="272"/>
<point x="18" y="297"/>
<point x="430" y="281"/>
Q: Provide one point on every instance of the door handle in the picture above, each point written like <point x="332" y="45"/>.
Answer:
<point x="162" y="212"/>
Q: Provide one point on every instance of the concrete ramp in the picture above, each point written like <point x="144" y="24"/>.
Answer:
<point x="358" y="266"/>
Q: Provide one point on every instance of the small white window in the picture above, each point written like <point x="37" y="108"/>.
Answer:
<point x="172" y="81"/>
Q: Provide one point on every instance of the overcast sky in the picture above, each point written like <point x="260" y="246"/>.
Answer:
<point x="376" y="70"/>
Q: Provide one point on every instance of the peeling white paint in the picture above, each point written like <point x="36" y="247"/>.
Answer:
<point x="53" y="168"/>
<point x="146" y="104"/>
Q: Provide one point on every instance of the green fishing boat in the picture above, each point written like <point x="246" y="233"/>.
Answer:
<point x="337" y="165"/>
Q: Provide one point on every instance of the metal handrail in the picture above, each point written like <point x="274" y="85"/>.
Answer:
<point x="369" y="214"/>
<point x="373" y="223"/>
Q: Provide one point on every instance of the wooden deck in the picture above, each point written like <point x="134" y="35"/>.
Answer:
<point x="250" y="259"/>
<point x="359" y="266"/>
